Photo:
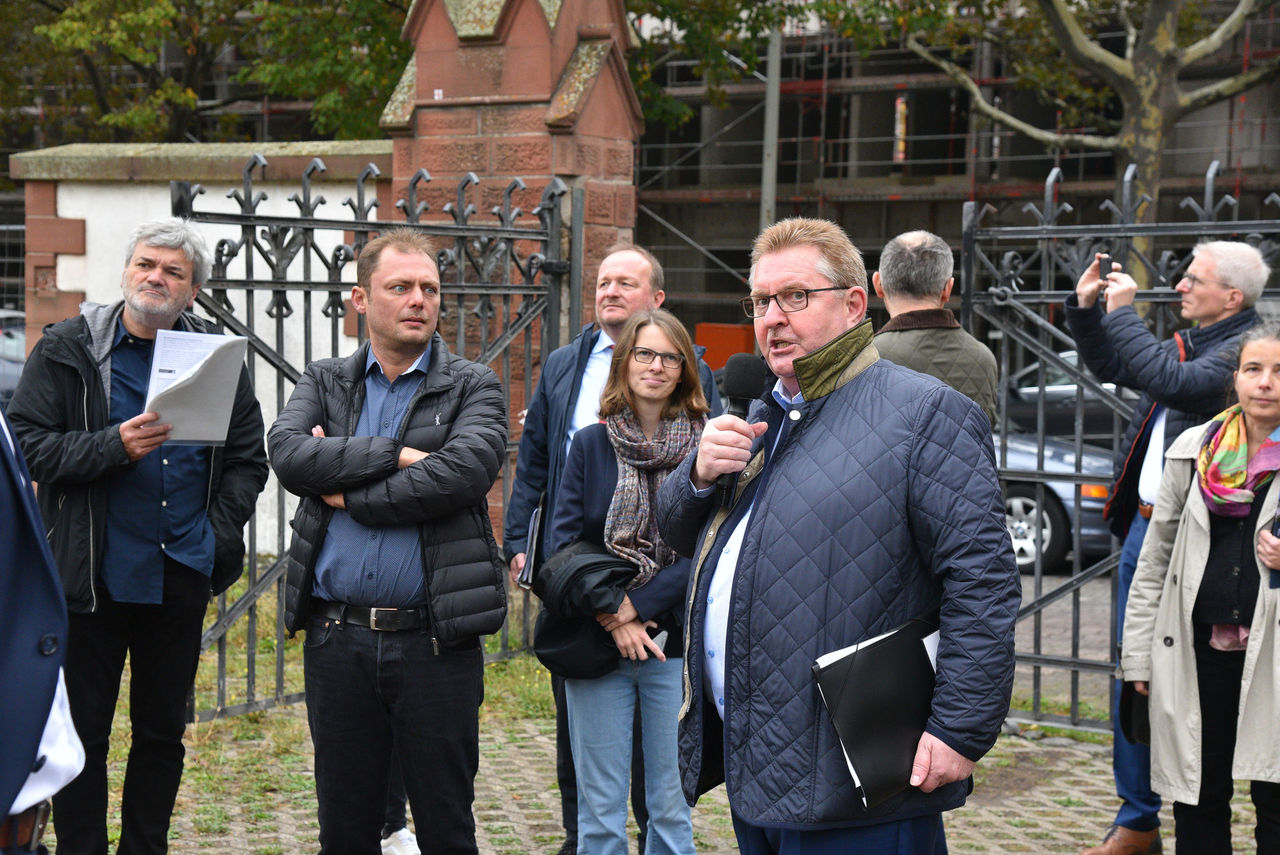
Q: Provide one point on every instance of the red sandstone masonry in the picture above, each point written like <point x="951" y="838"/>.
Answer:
<point x="496" y="120"/>
<point x="41" y="197"/>
<point x="625" y="206"/>
<point x="599" y="202"/>
<point x="452" y="122"/>
<point x="452" y="157"/>
<point x="521" y="155"/>
<point x="619" y="162"/>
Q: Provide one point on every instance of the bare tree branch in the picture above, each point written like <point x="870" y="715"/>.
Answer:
<point x="1216" y="40"/>
<point x="1082" y="50"/>
<point x="978" y="102"/>
<point x="1206" y="95"/>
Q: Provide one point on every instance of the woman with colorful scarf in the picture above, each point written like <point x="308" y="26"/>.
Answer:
<point x="1200" y="629"/>
<point x="653" y="411"/>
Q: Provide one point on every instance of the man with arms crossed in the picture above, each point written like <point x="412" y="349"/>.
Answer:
<point x="566" y="399"/>
<point x="393" y="569"/>
<point x="866" y="495"/>
<point x="1183" y="381"/>
<point x="142" y="530"/>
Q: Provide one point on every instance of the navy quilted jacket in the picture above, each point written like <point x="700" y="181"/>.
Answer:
<point x="880" y="504"/>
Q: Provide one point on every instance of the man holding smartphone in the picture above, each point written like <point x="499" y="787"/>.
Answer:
<point x="1183" y="382"/>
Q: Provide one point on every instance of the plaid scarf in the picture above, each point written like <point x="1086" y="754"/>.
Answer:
<point x="630" y="529"/>
<point x="1228" y="478"/>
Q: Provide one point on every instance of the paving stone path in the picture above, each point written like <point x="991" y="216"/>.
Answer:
<point x="1049" y="795"/>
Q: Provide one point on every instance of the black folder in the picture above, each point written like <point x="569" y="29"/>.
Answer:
<point x="533" y="545"/>
<point x="879" y="694"/>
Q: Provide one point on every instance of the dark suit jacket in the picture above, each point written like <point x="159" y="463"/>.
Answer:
<point x="33" y="624"/>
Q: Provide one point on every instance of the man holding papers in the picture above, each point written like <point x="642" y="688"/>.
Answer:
<point x="141" y="529"/>
<point x="863" y="495"/>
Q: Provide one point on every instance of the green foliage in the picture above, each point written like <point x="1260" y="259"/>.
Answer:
<point x="127" y="69"/>
<point x="345" y="56"/>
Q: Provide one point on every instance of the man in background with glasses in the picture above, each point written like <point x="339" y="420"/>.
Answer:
<point x="866" y="495"/>
<point x="567" y="398"/>
<point x="1183" y="381"/>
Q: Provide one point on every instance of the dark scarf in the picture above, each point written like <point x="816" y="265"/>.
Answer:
<point x="630" y="529"/>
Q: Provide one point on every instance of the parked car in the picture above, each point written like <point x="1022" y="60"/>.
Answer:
<point x="1022" y="503"/>
<point x="1059" y="394"/>
<point x="13" y="352"/>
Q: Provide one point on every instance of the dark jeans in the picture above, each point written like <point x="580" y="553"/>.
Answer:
<point x="367" y="690"/>
<point x="567" y="779"/>
<point x="395" y="817"/>
<point x="1205" y="828"/>
<point x="163" y="646"/>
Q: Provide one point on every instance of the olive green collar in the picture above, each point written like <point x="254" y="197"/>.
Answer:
<point x="837" y="362"/>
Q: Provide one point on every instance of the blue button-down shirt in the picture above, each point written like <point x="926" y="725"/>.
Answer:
<point x="156" y="505"/>
<point x="382" y="565"/>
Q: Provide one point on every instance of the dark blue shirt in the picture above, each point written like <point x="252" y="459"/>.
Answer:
<point x="156" y="505"/>
<point x="376" y="566"/>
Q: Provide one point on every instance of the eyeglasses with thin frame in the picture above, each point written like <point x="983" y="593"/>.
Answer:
<point x="1199" y="280"/>
<point x="645" y="356"/>
<point x="790" y="300"/>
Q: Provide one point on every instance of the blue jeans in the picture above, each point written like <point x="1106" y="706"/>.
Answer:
<point x="922" y="835"/>
<point x="600" y="713"/>
<point x="1131" y="761"/>
<point x="367" y="690"/>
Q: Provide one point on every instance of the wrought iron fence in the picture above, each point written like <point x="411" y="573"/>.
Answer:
<point x="1015" y="278"/>
<point x="279" y="279"/>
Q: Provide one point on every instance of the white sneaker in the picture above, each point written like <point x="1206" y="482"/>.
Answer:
<point x="401" y="843"/>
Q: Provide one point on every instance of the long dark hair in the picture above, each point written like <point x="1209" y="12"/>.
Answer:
<point x="687" y="395"/>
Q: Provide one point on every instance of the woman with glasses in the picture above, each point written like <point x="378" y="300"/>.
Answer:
<point x="1200" y="636"/>
<point x="653" y="411"/>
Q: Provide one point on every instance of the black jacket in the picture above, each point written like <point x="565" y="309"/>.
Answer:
<point x="458" y="417"/>
<point x="60" y="412"/>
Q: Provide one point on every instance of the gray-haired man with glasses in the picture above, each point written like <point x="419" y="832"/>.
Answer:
<point x="1183" y="382"/>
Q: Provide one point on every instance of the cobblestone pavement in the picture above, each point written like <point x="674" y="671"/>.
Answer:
<point x="1044" y="795"/>
<point x="1035" y="792"/>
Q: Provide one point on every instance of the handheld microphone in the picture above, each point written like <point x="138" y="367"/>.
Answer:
<point x="745" y="375"/>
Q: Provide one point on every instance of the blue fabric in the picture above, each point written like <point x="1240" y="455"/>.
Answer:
<point x="880" y="504"/>
<point x="1131" y="761"/>
<point x="1118" y="348"/>
<point x="33" y="621"/>
<point x="541" y="458"/>
<point x="920" y="836"/>
<point x="156" y="506"/>
<point x="582" y="505"/>
<point x="600" y="727"/>
<point x="376" y="565"/>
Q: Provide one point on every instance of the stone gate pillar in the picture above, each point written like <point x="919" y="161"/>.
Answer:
<point x="530" y="89"/>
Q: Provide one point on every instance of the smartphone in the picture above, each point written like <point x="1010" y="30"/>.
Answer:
<point x="659" y="637"/>
<point x="1104" y="265"/>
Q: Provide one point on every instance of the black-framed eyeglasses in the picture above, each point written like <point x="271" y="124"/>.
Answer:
<point x="645" y="356"/>
<point x="790" y="300"/>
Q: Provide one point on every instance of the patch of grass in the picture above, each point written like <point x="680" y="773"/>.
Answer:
<point x="517" y="688"/>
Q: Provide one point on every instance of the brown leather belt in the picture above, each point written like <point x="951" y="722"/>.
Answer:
<point x="24" y="830"/>
<point x="1144" y="510"/>
<point x="384" y="620"/>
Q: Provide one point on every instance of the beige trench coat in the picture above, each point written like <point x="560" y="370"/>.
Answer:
<point x="1157" y="644"/>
